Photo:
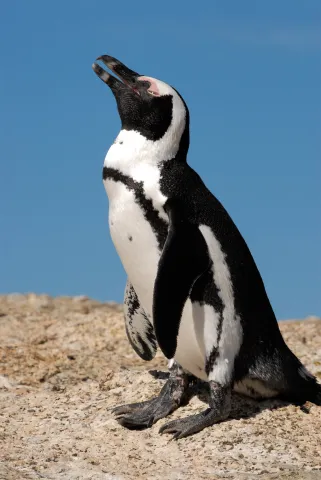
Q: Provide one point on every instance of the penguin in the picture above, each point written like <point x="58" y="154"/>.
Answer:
<point x="193" y="288"/>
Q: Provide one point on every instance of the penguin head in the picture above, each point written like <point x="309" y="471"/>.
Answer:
<point x="146" y="105"/>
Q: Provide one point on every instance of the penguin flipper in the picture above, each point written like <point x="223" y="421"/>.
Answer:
<point x="184" y="258"/>
<point x="139" y="329"/>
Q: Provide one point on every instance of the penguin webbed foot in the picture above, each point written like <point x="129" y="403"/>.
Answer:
<point x="144" y="414"/>
<point x="220" y="406"/>
<point x="184" y="427"/>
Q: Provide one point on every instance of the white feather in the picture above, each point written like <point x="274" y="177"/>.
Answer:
<point x="252" y="387"/>
<point x="231" y="337"/>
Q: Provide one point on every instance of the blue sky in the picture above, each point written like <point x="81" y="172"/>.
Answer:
<point x="250" y="73"/>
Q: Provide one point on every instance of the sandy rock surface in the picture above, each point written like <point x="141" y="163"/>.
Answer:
<point x="65" y="362"/>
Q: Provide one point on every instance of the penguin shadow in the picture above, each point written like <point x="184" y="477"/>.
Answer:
<point x="242" y="407"/>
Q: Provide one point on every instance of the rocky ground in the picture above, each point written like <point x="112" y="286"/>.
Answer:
<point x="65" y="362"/>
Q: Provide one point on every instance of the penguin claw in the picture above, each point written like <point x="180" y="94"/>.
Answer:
<point x="123" y="409"/>
<point x="138" y="416"/>
<point x="135" y="415"/>
<point x="134" y="423"/>
<point x="179" y="428"/>
<point x="133" y="407"/>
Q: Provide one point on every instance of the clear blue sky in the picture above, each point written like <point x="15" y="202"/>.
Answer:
<point x="250" y="73"/>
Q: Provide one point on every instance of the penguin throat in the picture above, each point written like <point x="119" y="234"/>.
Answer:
<point x="131" y="148"/>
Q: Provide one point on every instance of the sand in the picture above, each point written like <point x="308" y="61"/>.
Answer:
<point x="65" y="362"/>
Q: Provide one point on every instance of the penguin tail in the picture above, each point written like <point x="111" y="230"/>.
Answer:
<point x="306" y="387"/>
<point x="300" y="385"/>
<point x="315" y="395"/>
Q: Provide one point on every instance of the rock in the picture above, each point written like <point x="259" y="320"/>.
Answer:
<point x="4" y="383"/>
<point x="66" y="362"/>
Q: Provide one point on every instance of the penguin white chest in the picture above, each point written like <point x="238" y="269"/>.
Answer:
<point x="136" y="218"/>
<point x="134" y="239"/>
<point x="135" y="203"/>
<point x="137" y="246"/>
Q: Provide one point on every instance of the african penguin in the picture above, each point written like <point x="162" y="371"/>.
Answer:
<point x="193" y="287"/>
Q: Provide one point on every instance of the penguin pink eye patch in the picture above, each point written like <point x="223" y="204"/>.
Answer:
<point x="153" y="88"/>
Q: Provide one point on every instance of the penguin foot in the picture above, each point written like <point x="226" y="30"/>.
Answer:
<point x="145" y="414"/>
<point x="220" y="406"/>
<point x="193" y="424"/>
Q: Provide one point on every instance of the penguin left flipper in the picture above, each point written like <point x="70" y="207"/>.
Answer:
<point x="139" y="329"/>
<point x="184" y="258"/>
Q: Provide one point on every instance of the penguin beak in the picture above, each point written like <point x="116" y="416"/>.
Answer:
<point x="128" y="77"/>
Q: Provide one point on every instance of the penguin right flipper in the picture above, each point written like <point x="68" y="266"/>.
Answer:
<point x="139" y="329"/>
<point x="184" y="258"/>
